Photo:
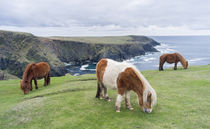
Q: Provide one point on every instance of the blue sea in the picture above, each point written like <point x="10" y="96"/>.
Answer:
<point x="195" y="49"/>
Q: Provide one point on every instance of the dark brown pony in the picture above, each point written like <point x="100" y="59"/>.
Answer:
<point x="35" y="71"/>
<point x="173" y="58"/>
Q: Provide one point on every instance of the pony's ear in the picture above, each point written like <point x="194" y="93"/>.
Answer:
<point x="149" y="94"/>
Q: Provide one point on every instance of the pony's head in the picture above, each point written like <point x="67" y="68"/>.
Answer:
<point x="149" y="100"/>
<point x="146" y="94"/>
<point x="183" y="61"/>
<point x="186" y="65"/>
<point x="25" y="86"/>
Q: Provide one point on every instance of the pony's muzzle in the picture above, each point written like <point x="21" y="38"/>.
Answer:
<point x="25" y="92"/>
<point x="147" y="110"/>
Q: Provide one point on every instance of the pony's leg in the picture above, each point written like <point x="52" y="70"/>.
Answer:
<point x="35" y="82"/>
<point x="106" y="93"/>
<point x="45" y="80"/>
<point x="31" y="87"/>
<point x="48" y="79"/>
<point x="161" y="65"/>
<point x="175" y="66"/>
<point x="127" y="100"/>
<point x="140" y="101"/>
<point x="99" y="91"/>
<point x="118" y="102"/>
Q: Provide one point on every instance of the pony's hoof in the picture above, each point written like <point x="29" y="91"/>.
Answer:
<point x="36" y="88"/>
<point x="131" y="109"/>
<point x="108" y="99"/>
<point x="117" y="110"/>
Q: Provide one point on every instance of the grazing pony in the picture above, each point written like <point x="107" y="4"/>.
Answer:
<point x="124" y="77"/>
<point x="35" y="71"/>
<point x="173" y="58"/>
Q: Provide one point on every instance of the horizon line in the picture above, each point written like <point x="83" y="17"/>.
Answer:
<point x="107" y="35"/>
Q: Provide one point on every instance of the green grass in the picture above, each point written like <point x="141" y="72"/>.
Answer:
<point x="69" y="102"/>
<point x="104" y="39"/>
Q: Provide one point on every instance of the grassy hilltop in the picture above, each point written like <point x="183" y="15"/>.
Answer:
<point x="131" y="39"/>
<point x="69" y="102"/>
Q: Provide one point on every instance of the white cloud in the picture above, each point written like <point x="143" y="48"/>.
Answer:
<point x="108" y="30"/>
<point x="108" y="17"/>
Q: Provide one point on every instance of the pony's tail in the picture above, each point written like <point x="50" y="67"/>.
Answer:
<point x="98" y="90"/>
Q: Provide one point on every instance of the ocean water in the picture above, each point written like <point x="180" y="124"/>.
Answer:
<point x="195" y="49"/>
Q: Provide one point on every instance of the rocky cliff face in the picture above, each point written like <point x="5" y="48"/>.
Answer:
<point x="81" y="53"/>
<point x="18" y="49"/>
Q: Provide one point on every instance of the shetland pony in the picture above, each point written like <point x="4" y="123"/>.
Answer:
<point x="33" y="72"/>
<point x="124" y="77"/>
<point x="173" y="58"/>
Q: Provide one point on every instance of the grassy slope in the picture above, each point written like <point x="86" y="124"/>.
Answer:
<point x="104" y="39"/>
<point x="7" y="75"/>
<point x="69" y="102"/>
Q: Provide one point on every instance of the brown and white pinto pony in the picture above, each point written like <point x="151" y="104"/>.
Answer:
<point x="35" y="71"/>
<point x="173" y="58"/>
<point x="124" y="77"/>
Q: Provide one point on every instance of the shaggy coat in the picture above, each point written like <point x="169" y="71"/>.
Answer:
<point x="33" y="72"/>
<point x="124" y="77"/>
<point x="173" y="58"/>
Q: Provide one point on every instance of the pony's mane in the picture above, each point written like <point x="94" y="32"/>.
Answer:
<point x="182" y="59"/>
<point x="147" y="86"/>
<point x="27" y="71"/>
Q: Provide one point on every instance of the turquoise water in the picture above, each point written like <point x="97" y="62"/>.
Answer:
<point x="196" y="49"/>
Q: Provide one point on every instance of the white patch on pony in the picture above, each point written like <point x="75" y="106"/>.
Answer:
<point x="119" y="100"/>
<point x="127" y="95"/>
<point x="112" y="71"/>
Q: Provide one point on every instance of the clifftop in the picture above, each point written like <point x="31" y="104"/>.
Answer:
<point x="131" y="39"/>
<point x="17" y="49"/>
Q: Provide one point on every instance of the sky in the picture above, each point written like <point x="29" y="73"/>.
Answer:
<point x="106" y="17"/>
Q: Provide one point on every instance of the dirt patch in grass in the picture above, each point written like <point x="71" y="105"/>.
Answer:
<point x="58" y="92"/>
<point x="27" y="104"/>
<point x="21" y="113"/>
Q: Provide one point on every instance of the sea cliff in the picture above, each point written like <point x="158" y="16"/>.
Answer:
<point x="17" y="49"/>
